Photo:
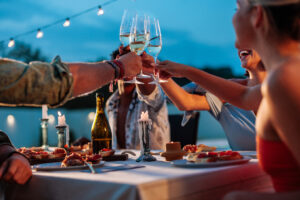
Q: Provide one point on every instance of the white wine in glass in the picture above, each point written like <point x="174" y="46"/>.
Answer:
<point x="125" y="27"/>
<point x="138" y="43"/>
<point x="155" y="45"/>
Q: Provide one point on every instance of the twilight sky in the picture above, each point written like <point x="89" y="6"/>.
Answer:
<point x="195" y="32"/>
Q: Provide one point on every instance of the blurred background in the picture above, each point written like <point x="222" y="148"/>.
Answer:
<point x="198" y="33"/>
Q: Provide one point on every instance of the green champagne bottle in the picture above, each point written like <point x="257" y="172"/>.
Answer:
<point x="101" y="133"/>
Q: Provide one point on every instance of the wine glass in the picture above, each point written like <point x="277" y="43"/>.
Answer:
<point x="125" y="27"/>
<point x="138" y="40"/>
<point x="155" y="45"/>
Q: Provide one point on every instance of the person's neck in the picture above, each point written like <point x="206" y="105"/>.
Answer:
<point x="274" y="54"/>
<point x="257" y="76"/>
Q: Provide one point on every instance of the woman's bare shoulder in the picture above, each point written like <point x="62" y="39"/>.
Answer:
<point x="284" y="79"/>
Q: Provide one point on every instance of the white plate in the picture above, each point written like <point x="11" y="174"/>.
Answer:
<point x="187" y="164"/>
<point x="251" y="154"/>
<point x="57" y="167"/>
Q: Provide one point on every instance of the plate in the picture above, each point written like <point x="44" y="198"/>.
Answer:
<point x="251" y="154"/>
<point x="186" y="164"/>
<point x="56" y="167"/>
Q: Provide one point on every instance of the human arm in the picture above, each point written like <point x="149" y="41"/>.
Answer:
<point x="13" y="166"/>
<point x="182" y="99"/>
<point x="39" y="83"/>
<point x="239" y="95"/>
<point x="89" y="77"/>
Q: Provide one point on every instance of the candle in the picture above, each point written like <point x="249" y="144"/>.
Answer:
<point x="144" y="116"/>
<point x="44" y="112"/>
<point x="61" y="119"/>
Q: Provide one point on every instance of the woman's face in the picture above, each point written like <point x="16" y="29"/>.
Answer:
<point x="249" y="59"/>
<point x="243" y="28"/>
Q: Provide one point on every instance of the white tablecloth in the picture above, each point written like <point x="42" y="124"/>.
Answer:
<point x="158" y="180"/>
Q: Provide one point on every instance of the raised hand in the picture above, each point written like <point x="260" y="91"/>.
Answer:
<point x="132" y="64"/>
<point x="169" y="69"/>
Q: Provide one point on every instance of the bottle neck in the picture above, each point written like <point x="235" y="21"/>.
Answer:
<point x="100" y="106"/>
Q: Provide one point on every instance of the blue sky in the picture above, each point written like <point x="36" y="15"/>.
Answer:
<point x="195" y="32"/>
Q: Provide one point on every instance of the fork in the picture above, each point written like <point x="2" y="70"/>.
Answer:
<point x="90" y="167"/>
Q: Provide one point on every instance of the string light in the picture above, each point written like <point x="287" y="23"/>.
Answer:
<point x="100" y="11"/>
<point x="39" y="34"/>
<point x="11" y="42"/>
<point x="67" y="22"/>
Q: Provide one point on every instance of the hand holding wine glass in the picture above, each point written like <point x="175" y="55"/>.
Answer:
<point x="132" y="63"/>
<point x="170" y="68"/>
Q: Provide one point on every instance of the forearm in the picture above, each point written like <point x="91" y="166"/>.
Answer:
<point x="182" y="99"/>
<point x="234" y="93"/>
<point x="89" y="77"/>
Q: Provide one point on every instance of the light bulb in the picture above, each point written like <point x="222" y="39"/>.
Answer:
<point x="10" y="120"/>
<point x="100" y="11"/>
<point x="67" y="22"/>
<point x="11" y="42"/>
<point x="91" y="116"/>
<point x="39" y="34"/>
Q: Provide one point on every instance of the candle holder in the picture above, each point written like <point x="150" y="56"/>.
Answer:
<point x="44" y="127"/>
<point x="61" y="129"/>
<point x="144" y="128"/>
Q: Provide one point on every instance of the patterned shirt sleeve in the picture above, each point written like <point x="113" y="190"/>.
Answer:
<point x="35" y="83"/>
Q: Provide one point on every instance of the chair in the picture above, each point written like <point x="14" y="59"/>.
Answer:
<point x="187" y="134"/>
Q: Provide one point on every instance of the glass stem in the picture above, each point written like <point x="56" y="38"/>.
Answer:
<point x="155" y="58"/>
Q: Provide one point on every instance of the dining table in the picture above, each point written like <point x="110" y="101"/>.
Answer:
<point x="142" y="180"/>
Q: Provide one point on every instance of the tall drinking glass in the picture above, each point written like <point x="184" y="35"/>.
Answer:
<point x="138" y="40"/>
<point x="125" y="27"/>
<point x="155" y="45"/>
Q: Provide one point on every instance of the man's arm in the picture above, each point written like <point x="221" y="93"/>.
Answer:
<point x="39" y="83"/>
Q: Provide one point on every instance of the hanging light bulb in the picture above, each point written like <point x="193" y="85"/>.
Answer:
<point x="67" y="22"/>
<point x="100" y="11"/>
<point x="39" y="34"/>
<point x="11" y="42"/>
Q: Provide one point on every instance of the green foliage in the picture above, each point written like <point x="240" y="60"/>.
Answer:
<point x="23" y="52"/>
<point x="26" y="53"/>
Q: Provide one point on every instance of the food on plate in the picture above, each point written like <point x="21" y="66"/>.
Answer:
<point x="106" y="152"/>
<point x="173" y="151"/>
<point x="206" y="157"/>
<point x="74" y="148"/>
<point x="94" y="159"/>
<point x="72" y="160"/>
<point x="58" y="153"/>
<point x="205" y="148"/>
<point x="37" y="153"/>
<point x="191" y="148"/>
<point x="34" y="152"/>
